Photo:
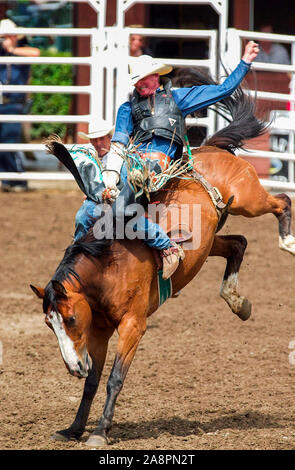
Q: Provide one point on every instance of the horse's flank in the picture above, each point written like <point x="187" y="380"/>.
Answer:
<point x="235" y="176"/>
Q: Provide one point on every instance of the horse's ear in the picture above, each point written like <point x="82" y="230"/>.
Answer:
<point x="59" y="289"/>
<point x="39" y="291"/>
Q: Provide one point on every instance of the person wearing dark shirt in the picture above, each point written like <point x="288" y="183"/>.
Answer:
<point x="137" y="46"/>
<point x="13" y="103"/>
<point x="271" y="52"/>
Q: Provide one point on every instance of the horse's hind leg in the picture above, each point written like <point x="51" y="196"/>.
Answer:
<point x="286" y="239"/>
<point x="253" y="201"/>
<point x="280" y="206"/>
<point x="232" y="247"/>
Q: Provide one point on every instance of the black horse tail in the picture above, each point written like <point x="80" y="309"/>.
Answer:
<point x="238" y="109"/>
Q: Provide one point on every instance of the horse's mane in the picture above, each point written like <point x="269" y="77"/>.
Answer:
<point x="87" y="245"/>
<point x="238" y="109"/>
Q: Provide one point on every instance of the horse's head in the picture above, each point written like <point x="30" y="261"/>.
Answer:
<point x="68" y="314"/>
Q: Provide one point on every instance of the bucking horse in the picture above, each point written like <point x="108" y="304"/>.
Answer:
<point x="103" y="285"/>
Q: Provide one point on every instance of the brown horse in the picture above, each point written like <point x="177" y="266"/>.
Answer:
<point x="101" y="286"/>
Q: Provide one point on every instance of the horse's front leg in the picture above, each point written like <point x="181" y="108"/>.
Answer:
<point x="98" y="344"/>
<point x="76" y="429"/>
<point x="131" y="330"/>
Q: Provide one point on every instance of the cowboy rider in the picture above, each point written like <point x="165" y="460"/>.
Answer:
<point x="154" y="116"/>
<point x="85" y="158"/>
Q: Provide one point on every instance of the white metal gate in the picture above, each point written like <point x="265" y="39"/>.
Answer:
<point x="232" y="56"/>
<point x="109" y="85"/>
<point x="108" y="63"/>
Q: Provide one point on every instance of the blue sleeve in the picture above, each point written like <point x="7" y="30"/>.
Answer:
<point x="124" y="124"/>
<point x="197" y="97"/>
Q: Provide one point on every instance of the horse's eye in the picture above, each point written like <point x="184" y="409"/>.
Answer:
<point x="70" y="321"/>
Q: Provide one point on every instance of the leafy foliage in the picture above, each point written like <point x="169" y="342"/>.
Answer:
<point x="51" y="103"/>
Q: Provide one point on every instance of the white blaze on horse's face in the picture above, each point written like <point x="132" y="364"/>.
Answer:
<point x="77" y="364"/>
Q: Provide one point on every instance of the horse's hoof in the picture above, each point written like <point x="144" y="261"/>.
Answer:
<point x="287" y="244"/>
<point x="96" y="441"/>
<point x="245" y="310"/>
<point x="64" y="436"/>
<point x="59" y="437"/>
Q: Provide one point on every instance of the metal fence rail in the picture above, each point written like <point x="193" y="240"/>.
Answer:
<point x="97" y="43"/>
<point x="235" y="38"/>
<point x="108" y="61"/>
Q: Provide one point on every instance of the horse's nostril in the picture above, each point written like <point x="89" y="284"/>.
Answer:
<point x="80" y="366"/>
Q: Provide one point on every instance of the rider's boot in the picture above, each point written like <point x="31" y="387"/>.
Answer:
<point x="171" y="257"/>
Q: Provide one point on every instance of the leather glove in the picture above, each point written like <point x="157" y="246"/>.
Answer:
<point x="110" y="195"/>
<point x="110" y="179"/>
<point x="111" y="174"/>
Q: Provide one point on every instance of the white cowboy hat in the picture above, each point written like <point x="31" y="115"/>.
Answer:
<point x="6" y="28"/>
<point x="144" y="65"/>
<point x="97" y="129"/>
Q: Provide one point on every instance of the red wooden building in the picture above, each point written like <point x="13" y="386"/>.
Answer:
<point x="246" y="15"/>
<point x="242" y="14"/>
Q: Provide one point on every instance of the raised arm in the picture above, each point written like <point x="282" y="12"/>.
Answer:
<point x="251" y="52"/>
<point x="194" y="98"/>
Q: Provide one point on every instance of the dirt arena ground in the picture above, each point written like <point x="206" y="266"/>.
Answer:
<point x="201" y="378"/>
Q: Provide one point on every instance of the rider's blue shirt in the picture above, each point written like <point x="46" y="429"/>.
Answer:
<point x="188" y="100"/>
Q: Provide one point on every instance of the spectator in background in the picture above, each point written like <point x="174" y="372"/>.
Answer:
<point x="274" y="53"/>
<point x="271" y="52"/>
<point x="13" y="103"/>
<point x="137" y="45"/>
